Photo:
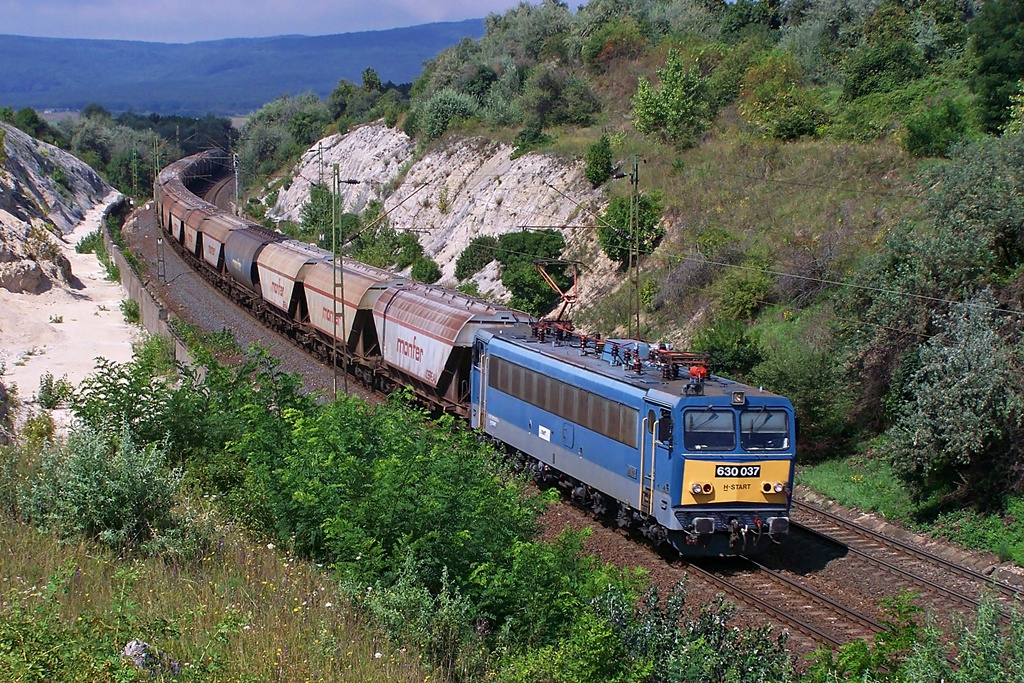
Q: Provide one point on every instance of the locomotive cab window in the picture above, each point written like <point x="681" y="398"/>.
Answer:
<point x="764" y="430"/>
<point x="665" y="428"/>
<point x="709" y="430"/>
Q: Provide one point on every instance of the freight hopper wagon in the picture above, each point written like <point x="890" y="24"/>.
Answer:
<point x="172" y="198"/>
<point x="644" y="433"/>
<point x="426" y="339"/>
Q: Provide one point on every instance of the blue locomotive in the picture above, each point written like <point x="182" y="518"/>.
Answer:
<point x="642" y="432"/>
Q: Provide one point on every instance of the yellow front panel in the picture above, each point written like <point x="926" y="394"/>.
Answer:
<point x="743" y="486"/>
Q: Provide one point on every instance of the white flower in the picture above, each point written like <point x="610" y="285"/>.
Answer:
<point x="270" y="546"/>
<point x="328" y="605"/>
<point x="377" y="655"/>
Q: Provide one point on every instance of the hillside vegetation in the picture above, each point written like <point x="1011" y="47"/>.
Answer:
<point x="831" y="188"/>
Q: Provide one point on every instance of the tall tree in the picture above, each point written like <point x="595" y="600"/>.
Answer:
<point x="998" y="40"/>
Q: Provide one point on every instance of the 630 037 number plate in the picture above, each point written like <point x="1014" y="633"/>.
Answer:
<point x="738" y="471"/>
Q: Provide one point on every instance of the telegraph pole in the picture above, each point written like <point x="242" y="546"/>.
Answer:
<point x="334" y="269"/>
<point x="633" y="264"/>
<point x="234" y="162"/>
<point x="156" y="155"/>
<point x="635" y="224"/>
<point x="339" y="280"/>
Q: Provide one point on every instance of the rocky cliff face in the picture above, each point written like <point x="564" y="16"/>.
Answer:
<point x="457" y="191"/>
<point x="44" y="193"/>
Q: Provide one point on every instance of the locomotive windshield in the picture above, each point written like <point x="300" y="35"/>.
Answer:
<point x="709" y="430"/>
<point x="764" y="430"/>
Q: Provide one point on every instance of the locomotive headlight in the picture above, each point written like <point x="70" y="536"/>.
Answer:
<point x="697" y="489"/>
<point x="780" y="487"/>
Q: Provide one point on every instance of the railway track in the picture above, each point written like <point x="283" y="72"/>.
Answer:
<point x="945" y="582"/>
<point x="796" y="606"/>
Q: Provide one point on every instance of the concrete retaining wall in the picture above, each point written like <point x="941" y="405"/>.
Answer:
<point x="153" y="315"/>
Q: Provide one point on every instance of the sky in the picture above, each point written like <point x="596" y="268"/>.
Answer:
<point x="184" y="21"/>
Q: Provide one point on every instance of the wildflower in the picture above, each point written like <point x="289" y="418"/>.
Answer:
<point x="377" y="655"/>
<point x="270" y="546"/>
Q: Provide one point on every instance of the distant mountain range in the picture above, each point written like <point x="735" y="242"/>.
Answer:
<point x="222" y="77"/>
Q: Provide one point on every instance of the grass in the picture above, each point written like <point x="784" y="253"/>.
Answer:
<point x="131" y="312"/>
<point x="794" y="206"/>
<point x="243" y="613"/>
<point x="220" y="343"/>
<point x="1000" y="534"/>
<point x="860" y="482"/>
<point x="93" y="244"/>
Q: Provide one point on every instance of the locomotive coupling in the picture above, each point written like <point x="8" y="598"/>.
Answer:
<point x="778" y="525"/>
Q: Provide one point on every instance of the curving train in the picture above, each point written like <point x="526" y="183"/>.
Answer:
<point x="631" y="429"/>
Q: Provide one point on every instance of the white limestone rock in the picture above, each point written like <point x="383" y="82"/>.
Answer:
<point x="44" y="193"/>
<point x="459" y="190"/>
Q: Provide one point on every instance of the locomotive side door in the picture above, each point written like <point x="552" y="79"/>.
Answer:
<point x="655" y="449"/>
<point x="481" y="365"/>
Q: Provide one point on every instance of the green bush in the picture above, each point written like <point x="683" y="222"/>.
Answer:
<point x="409" y="250"/>
<point x="612" y="42"/>
<point x="131" y="311"/>
<point x="425" y="269"/>
<point x="812" y="379"/>
<point x="621" y="639"/>
<point x="616" y="234"/>
<point x="443" y="109"/>
<point x="502" y="106"/>
<point x="38" y="430"/>
<point x="554" y="97"/>
<point x="156" y="352"/>
<point x="531" y="136"/>
<point x="530" y="292"/>
<point x="962" y="433"/>
<point x="516" y="252"/>
<point x="90" y="243"/>
<point x="741" y="293"/>
<point x="733" y="349"/>
<point x="680" y="109"/>
<point x="411" y="123"/>
<point x="52" y="392"/>
<point x="997" y="44"/>
<point x="477" y="254"/>
<point x="110" y="490"/>
<point x="439" y="623"/>
<point x="882" y="68"/>
<point x="773" y="98"/>
<point x="132" y="395"/>
<point x="932" y="132"/>
<point x="599" y="161"/>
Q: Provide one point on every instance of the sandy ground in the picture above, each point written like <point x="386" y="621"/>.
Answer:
<point x="63" y="330"/>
